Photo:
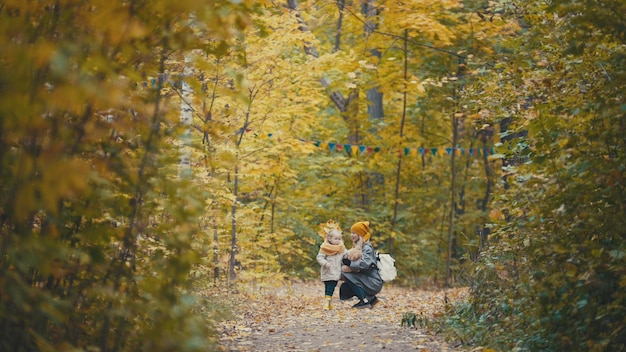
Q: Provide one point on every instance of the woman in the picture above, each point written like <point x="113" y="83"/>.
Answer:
<point x="361" y="278"/>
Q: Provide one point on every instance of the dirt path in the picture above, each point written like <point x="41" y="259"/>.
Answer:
<point x="291" y="318"/>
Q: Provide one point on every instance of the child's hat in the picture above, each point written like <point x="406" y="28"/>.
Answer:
<point x="362" y="228"/>
<point x="328" y="226"/>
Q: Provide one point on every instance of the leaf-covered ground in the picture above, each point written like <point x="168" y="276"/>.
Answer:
<point x="291" y="318"/>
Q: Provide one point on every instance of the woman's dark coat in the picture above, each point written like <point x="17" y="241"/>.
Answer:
<point x="364" y="273"/>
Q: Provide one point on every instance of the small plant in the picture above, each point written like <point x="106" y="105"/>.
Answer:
<point x="410" y="319"/>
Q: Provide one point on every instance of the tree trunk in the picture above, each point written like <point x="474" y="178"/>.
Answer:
<point x="373" y="95"/>
<point x="340" y="4"/>
<point x="184" y="159"/>
<point x="233" y="221"/>
<point x="452" y="201"/>
<point x="396" y="198"/>
<point x="233" y="263"/>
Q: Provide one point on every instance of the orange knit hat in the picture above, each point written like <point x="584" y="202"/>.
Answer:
<point x="362" y="228"/>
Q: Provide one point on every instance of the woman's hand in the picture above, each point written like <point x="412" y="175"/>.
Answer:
<point x="346" y="269"/>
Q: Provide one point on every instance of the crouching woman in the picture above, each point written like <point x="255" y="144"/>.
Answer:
<point x="361" y="278"/>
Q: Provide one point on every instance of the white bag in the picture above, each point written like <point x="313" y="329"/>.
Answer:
<point x="386" y="267"/>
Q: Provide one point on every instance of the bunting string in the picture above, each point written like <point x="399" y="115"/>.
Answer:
<point x="357" y="149"/>
<point x="354" y="150"/>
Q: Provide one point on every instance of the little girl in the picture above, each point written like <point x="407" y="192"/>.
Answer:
<point x="329" y="257"/>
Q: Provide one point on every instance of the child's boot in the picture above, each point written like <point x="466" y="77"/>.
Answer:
<point x="327" y="303"/>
